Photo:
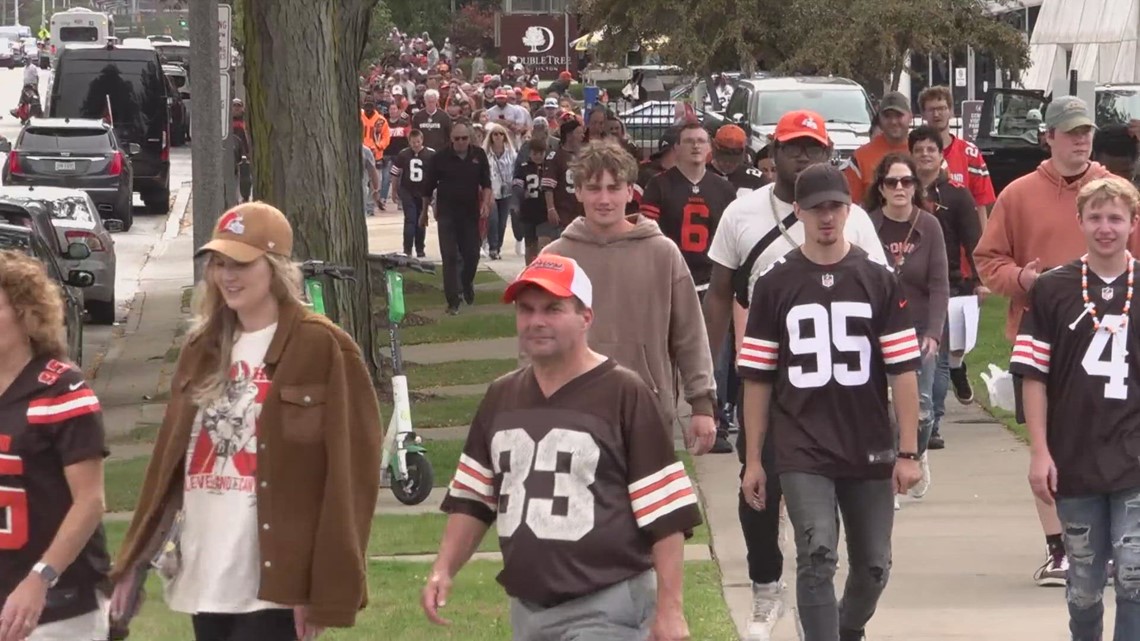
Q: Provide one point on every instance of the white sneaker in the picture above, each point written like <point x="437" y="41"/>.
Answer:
<point x="919" y="490"/>
<point x="897" y="506"/>
<point x="767" y="608"/>
<point x="520" y="249"/>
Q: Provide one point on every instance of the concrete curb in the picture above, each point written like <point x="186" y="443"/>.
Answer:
<point x="177" y="212"/>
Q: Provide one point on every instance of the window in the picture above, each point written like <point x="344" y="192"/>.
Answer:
<point x="80" y="140"/>
<point x="79" y="34"/>
<point x="70" y="208"/>
<point x="1117" y="106"/>
<point x="738" y="103"/>
<point x="841" y="106"/>
<point x="1017" y="115"/>
<point x="133" y="89"/>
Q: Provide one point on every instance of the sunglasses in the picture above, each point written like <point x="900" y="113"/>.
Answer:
<point x="893" y="182"/>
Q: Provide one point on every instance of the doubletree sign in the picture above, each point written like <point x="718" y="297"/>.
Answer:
<point x="539" y="41"/>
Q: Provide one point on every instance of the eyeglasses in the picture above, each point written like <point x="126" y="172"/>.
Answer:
<point x="811" y="151"/>
<point x="459" y="138"/>
<point x="893" y="182"/>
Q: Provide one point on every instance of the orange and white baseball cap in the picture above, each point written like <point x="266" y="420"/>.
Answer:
<point x="801" y="124"/>
<point x="249" y="231"/>
<point x="558" y="275"/>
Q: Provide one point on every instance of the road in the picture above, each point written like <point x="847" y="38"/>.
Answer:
<point x="131" y="248"/>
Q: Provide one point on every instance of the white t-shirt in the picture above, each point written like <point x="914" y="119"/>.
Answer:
<point x="748" y="219"/>
<point x="32" y="75"/>
<point x="221" y="560"/>
<point x="511" y="113"/>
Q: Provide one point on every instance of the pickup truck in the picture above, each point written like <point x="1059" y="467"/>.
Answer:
<point x="1011" y="133"/>
<point x="758" y="103"/>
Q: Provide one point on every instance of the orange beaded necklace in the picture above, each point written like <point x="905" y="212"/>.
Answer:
<point x="1091" y="306"/>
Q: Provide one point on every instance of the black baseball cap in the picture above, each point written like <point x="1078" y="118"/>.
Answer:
<point x="668" y="140"/>
<point x="821" y="183"/>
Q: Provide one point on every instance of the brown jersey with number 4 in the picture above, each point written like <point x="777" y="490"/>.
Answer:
<point x="688" y="214"/>
<point x="579" y="484"/>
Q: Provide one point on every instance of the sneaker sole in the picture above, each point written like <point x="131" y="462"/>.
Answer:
<point x="1050" y="582"/>
<point x="964" y="401"/>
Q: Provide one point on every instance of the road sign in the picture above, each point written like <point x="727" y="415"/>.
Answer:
<point x="971" y="119"/>
<point x="226" y="125"/>
<point x="225" y="35"/>
<point x="960" y="77"/>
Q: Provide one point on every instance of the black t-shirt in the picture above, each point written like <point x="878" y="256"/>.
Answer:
<point x="410" y="169"/>
<point x="49" y="419"/>
<point x="457" y="180"/>
<point x="894" y="237"/>
<point x="436" y="128"/>
<point x="688" y="214"/>
<point x="528" y="183"/>
<point x="826" y="337"/>
<point x="580" y="485"/>
<point x="558" y="179"/>
<point x="1092" y="379"/>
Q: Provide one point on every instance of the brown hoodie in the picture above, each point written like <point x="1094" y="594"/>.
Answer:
<point x="647" y="316"/>
<point x="1034" y="217"/>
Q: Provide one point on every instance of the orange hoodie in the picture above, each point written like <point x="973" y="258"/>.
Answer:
<point x="377" y="133"/>
<point x="1034" y="217"/>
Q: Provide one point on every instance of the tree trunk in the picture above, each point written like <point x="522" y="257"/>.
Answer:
<point x="303" y="113"/>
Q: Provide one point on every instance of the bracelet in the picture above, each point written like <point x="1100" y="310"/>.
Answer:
<point x="1019" y="273"/>
<point x="913" y="456"/>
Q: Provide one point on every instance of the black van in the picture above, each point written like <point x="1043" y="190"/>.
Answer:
<point x="123" y="85"/>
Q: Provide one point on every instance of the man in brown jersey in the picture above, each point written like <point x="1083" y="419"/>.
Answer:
<point x="562" y="205"/>
<point x="569" y="457"/>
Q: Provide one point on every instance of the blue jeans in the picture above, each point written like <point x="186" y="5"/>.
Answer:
<point x="926" y="376"/>
<point x="1097" y="528"/>
<point x="500" y="215"/>
<point x="941" y="380"/>
<point x="384" y="166"/>
<point x="413" y="233"/>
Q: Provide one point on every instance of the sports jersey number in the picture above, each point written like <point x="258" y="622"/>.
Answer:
<point x="416" y="170"/>
<point x="694" y="227"/>
<point x="525" y="456"/>
<point x="533" y="182"/>
<point x="569" y="181"/>
<point x="828" y="330"/>
<point x="1115" y="369"/>
<point x="752" y="171"/>
<point x="13" y="502"/>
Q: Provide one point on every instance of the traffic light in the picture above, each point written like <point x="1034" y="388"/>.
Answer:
<point x="182" y="22"/>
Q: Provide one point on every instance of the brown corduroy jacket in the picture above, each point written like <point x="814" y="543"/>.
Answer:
<point x="318" y="467"/>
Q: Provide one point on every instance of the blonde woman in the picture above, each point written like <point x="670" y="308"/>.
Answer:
<point x="268" y="459"/>
<point x="53" y="555"/>
<point x="501" y="153"/>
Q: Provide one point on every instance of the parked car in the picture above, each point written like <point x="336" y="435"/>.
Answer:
<point x="647" y="122"/>
<point x="76" y="219"/>
<point x="19" y="56"/>
<point x="23" y="238"/>
<point x="178" y="88"/>
<point x="7" y="55"/>
<point x="78" y="154"/>
<point x="156" y="39"/>
<point x="758" y="103"/>
<point x="175" y="52"/>
<point x="124" y="85"/>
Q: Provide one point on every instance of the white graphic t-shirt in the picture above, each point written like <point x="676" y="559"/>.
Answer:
<point x="221" y="561"/>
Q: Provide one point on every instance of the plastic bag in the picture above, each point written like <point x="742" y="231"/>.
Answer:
<point x="999" y="384"/>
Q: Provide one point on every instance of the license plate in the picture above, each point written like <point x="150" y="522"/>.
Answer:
<point x="65" y="166"/>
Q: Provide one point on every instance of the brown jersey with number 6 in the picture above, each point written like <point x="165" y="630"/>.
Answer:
<point x="688" y="214"/>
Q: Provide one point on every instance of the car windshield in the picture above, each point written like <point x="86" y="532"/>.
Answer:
<point x="15" y="241"/>
<point x="71" y="208"/>
<point x="81" y="140"/>
<point x="844" y="106"/>
<point x="1117" y="106"/>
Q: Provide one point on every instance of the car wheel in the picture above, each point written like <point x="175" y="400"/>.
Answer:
<point x="125" y="214"/>
<point x="101" y="312"/>
<point x="178" y="136"/>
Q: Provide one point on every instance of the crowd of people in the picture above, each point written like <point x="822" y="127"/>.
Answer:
<point x="810" y="309"/>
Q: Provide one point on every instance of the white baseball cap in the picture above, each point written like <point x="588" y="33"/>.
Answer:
<point x="559" y="275"/>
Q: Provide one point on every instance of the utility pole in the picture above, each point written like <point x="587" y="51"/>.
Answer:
<point x="207" y="159"/>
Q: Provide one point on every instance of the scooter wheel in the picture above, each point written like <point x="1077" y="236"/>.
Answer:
<point x="416" y="488"/>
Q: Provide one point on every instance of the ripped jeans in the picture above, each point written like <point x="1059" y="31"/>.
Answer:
<point x="1097" y="528"/>
<point x="868" y="510"/>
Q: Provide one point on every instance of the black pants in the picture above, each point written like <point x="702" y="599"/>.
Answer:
<point x="459" y="247"/>
<point x="761" y="528"/>
<point x="263" y="625"/>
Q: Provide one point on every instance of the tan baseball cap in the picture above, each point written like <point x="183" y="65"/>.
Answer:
<point x="249" y="231"/>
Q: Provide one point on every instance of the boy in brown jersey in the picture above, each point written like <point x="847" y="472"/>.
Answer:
<point x="570" y="458"/>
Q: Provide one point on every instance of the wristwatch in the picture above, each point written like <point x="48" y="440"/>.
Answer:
<point x="908" y="455"/>
<point x="47" y="573"/>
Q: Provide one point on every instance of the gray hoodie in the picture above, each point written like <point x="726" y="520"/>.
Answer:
<point x="647" y="315"/>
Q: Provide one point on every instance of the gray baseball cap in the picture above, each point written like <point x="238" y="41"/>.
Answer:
<point x="821" y="183"/>
<point x="1067" y="113"/>
<point x="895" y="101"/>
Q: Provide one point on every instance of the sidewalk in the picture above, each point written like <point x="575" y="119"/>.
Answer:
<point x="964" y="555"/>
